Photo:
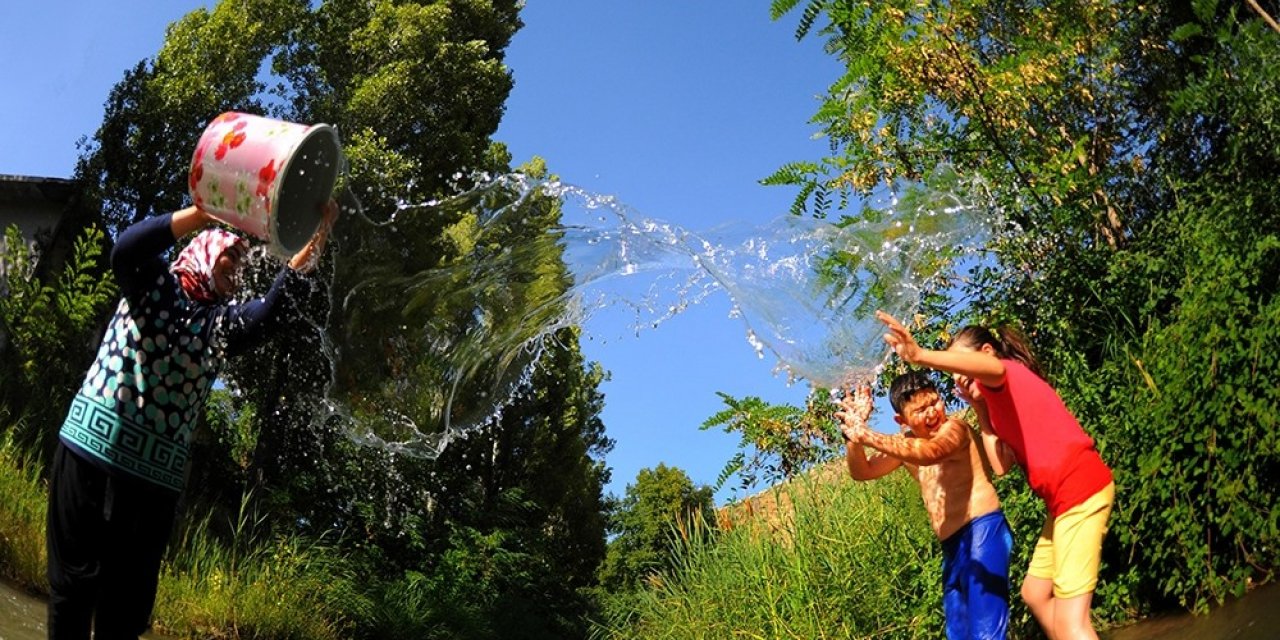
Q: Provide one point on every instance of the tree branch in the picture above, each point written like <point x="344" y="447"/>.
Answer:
<point x="1271" y="22"/>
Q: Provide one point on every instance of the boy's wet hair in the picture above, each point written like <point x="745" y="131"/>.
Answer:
<point x="906" y="386"/>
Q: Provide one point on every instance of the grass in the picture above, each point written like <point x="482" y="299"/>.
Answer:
<point x="23" y="505"/>
<point x="839" y="560"/>
<point x="285" y="588"/>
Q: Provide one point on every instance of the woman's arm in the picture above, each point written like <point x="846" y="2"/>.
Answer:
<point x="135" y="258"/>
<point x="187" y="221"/>
<point x="980" y="365"/>
<point x="244" y="323"/>
<point x="248" y="323"/>
<point x="304" y="261"/>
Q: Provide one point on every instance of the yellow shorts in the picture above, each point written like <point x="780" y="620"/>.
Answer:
<point x="1070" y="546"/>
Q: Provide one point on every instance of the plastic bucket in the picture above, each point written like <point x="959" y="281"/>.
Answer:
<point x="268" y="178"/>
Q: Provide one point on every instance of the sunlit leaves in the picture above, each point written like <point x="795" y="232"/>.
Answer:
<point x="993" y="88"/>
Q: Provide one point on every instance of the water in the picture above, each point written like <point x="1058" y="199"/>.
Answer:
<point x="538" y="256"/>
<point x="1256" y="616"/>
<point x="23" y="616"/>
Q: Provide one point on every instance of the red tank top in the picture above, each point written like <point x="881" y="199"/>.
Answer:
<point x="1062" y="465"/>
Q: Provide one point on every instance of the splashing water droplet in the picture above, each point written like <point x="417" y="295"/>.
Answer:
<point x="805" y="289"/>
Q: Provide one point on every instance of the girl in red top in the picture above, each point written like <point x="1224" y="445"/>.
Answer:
<point x="1023" y="421"/>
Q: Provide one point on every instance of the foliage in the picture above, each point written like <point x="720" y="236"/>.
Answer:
<point x="1134" y="146"/>
<point x="852" y="560"/>
<point x="662" y="505"/>
<point x="535" y="485"/>
<point x="777" y="441"/>
<point x="1199" y="452"/>
<point x="238" y="586"/>
<point x="137" y="160"/>
<point x="23" y="509"/>
<point x="1021" y="93"/>
<point x="47" y="331"/>
<point x="486" y="585"/>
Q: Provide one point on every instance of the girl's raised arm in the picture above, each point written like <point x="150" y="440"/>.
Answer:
<point x="981" y="365"/>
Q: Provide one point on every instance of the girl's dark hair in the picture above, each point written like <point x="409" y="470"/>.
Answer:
<point x="1008" y="342"/>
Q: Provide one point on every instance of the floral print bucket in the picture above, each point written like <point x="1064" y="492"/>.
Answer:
<point x="268" y="178"/>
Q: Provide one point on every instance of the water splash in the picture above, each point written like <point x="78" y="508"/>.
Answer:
<point x="538" y="256"/>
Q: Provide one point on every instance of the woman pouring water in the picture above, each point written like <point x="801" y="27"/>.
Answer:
<point x="123" y="448"/>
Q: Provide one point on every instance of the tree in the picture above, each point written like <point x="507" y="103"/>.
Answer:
<point x="398" y="328"/>
<point x="1123" y="141"/>
<point x="136" y="163"/>
<point x="532" y="486"/>
<point x="661" y="504"/>
<point x="777" y="441"/>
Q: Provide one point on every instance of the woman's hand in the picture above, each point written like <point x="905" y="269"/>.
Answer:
<point x="900" y="339"/>
<point x="305" y="260"/>
<point x="188" y="221"/>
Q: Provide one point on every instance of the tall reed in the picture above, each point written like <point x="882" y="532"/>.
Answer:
<point x="839" y="560"/>
<point x="23" y="505"/>
<point x="280" y="588"/>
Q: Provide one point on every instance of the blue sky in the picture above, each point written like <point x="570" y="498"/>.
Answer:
<point x="675" y="108"/>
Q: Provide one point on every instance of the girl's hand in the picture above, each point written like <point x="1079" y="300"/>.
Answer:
<point x="968" y="390"/>
<point x="900" y="339"/>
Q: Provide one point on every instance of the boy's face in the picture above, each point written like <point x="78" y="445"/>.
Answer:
<point x="923" y="413"/>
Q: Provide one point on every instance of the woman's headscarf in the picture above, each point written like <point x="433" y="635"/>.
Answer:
<point x="194" y="266"/>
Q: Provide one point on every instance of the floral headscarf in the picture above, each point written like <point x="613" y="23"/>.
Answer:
<point x="194" y="266"/>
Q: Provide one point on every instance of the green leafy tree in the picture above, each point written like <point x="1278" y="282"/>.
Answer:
<point x="777" y="441"/>
<point x="662" y="503"/>
<point x="48" y="333"/>
<point x="137" y="161"/>
<point x="531" y="487"/>
<point x="1208" y="309"/>
<point x="1126" y="141"/>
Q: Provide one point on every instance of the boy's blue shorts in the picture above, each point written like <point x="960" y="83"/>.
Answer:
<point x="975" y="578"/>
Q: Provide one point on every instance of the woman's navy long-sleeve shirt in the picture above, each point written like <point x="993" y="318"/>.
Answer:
<point x="142" y="397"/>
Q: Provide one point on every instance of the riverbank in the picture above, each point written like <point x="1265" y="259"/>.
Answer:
<point x="22" y="616"/>
<point x="1256" y="616"/>
<point x="1253" y="617"/>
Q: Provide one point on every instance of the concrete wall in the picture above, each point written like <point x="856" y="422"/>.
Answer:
<point x="35" y="205"/>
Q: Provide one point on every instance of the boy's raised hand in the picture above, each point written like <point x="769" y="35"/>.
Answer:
<point x="900" y="339"/>
<point x="855" y="410"/>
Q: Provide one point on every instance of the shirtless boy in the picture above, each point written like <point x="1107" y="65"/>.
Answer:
<point x="964" y="511"/>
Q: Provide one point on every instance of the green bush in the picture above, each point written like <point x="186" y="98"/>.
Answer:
<point x="48" y="333"/>
<point x="1197" y="449"/>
